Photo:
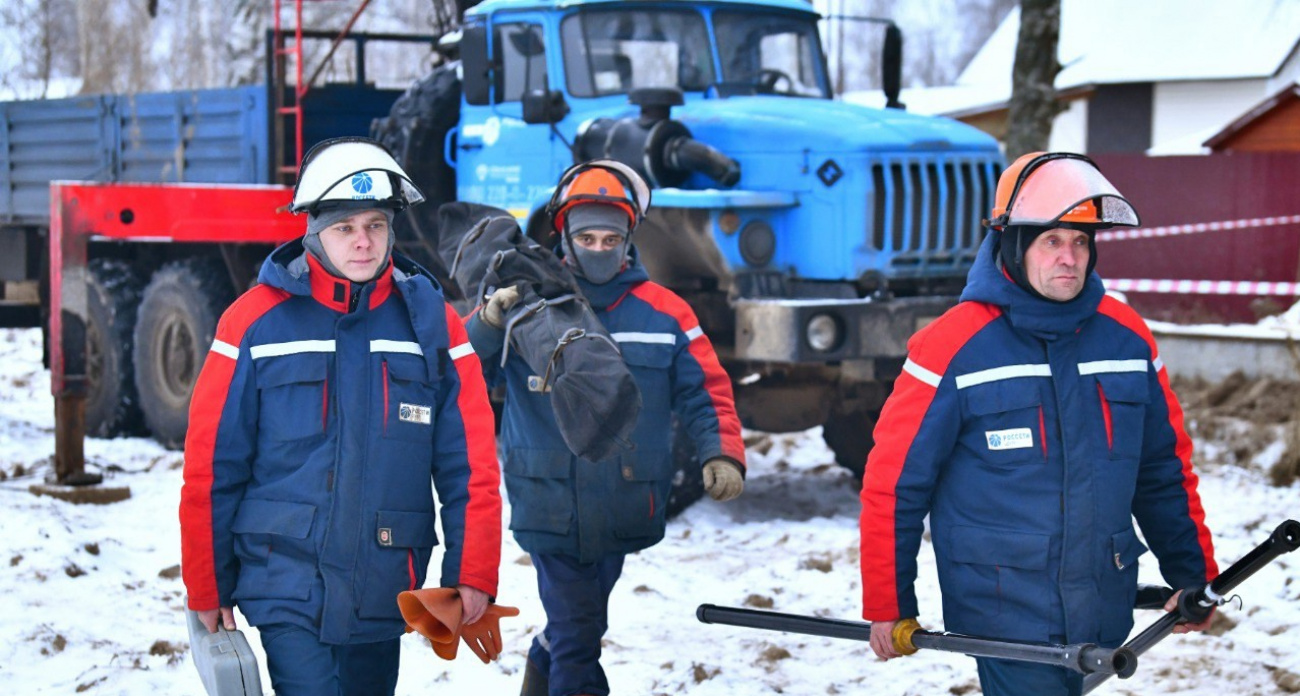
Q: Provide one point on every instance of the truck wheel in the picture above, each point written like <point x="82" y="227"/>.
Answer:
<point x="415" y="130"/>
<point x="848" y="434"/>
<point x="178" y="319"/>
<point x="112" y="297"/>
<point x="688" y="476"/>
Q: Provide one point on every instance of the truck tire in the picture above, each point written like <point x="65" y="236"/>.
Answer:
<point x="688" y="474"/>
<point x="415" y="131"/>
<point x="112" y="297"/>
<point x="848" y="435"/>
<point x="178" y="319"/>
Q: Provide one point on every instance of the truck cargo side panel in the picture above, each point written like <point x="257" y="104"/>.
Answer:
<point x="208" y="136"/>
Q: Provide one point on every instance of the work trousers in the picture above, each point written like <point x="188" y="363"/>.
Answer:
<point x="576" y="599"/>
<point x="301" y="665"/>
<point x="1013" y="678"/>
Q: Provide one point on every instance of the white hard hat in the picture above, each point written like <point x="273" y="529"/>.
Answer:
<point x="353" y="172"/>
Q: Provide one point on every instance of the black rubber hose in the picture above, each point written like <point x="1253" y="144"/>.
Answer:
<point x="688" y="154"/>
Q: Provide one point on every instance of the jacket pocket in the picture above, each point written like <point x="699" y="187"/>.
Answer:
<point x="996" y="582"/>
<point x="1124" y="400"/>
<point x="397" y="559"/>
<point x="276" y="553"/>
<point x="538" y="485"/>
<point x="1006" y="428"/>
<point x="409" y="398"/>
<point x="1119" y="585"/>
<point x="651" y="367"/>
<point x="639" y="509"/>
<point x="648" y="355"/>
<point x="293" y="394"/>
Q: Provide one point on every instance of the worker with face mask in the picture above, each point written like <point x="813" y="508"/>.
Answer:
<point x="579" y="519"/>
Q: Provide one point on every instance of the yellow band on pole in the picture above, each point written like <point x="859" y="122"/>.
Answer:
<point x="902" y="635"/>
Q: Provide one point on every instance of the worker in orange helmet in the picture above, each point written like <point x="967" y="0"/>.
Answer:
<point x="1032" y="423"/>
<point x="579" y="519"/>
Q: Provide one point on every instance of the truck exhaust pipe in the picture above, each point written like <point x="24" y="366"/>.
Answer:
<point x="658" y="148"/>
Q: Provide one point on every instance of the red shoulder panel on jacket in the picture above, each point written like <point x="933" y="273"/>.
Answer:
<point x="1128" y="318"/>
<point x="206" y="406"/>
<point x="246" y="310"/>
<point x="716" y="381"/>
<point x="934" y="346"/>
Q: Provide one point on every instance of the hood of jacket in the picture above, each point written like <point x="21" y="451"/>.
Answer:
<point x="988" y="283"/>
<point x="287" y="268"/>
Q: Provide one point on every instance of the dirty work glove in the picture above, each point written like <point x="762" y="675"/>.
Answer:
<point x="722" y="479"/>
<point x="484" y="636"/>
<point x="494" y="312"/>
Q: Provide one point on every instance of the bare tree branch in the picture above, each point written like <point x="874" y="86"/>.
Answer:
<point x="1033" y="78"/>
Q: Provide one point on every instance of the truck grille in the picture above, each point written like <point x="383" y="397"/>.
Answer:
<point x="927" y="212"/>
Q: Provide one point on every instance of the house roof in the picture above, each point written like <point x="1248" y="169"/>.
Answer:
<point x="1289" y="94"/>
<point x="1118" y="41"/>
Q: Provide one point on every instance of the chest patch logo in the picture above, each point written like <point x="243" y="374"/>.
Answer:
<point x="1015" y="438"/>
<point x="414" y="413"/>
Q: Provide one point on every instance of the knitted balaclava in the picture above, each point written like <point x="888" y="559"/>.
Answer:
<point x="599" y="267"/>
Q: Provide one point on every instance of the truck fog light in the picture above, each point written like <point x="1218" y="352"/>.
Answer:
<point x="757" y="243"/>
<point x="823" y="333"/>
<point x="729" y="222"/>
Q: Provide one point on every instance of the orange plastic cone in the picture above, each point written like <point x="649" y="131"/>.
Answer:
<point x="435" y="614"/>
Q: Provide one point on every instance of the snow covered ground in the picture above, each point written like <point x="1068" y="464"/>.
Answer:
<point x="90" y="601"/>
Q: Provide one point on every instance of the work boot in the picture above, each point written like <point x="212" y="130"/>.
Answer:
<point x="536" y="682"/>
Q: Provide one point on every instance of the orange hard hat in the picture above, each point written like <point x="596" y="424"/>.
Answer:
<point x="600" y="182"/>
<point x="1053" y="188"/>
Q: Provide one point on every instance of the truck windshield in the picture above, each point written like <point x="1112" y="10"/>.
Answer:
<point x="616" y="51"/>
<point x="770" y="53"/>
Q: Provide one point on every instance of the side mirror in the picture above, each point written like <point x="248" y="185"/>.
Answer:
<point x="891" y="66"/>
<point x="544" y="106"/>
<point x="475" y="65"/>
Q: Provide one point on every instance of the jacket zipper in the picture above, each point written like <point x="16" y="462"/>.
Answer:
<point x="410" y="566"/>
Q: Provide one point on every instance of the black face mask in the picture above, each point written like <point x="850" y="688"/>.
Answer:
<point x="1015" y="239"/>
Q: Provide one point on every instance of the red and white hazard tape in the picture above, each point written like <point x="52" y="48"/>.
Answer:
<point x="1202" y="287"/>
<point x="1196" y="228"/>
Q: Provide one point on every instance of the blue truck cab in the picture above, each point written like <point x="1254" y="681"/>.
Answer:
<point x="812" y="236"/>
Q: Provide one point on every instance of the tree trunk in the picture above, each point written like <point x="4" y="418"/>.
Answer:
<point x="1033" y="91"/>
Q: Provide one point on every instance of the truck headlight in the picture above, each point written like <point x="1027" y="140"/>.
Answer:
<point x="823" y="333"/>
<point x="757" y="243"/>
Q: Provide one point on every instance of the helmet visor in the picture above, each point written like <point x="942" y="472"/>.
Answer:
<point x="1069" y="190"/>
<point x="352" y="171"/>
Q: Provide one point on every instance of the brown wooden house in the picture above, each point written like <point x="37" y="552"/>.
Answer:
<point x="1273" y="125"/>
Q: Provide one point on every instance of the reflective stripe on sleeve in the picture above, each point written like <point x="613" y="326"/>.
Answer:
<point x="922" y="374"/>
<point x="461" y="351"/>
<point x="222" y="348"/>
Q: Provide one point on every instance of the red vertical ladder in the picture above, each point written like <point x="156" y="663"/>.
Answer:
<point x="287" y="171"/>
